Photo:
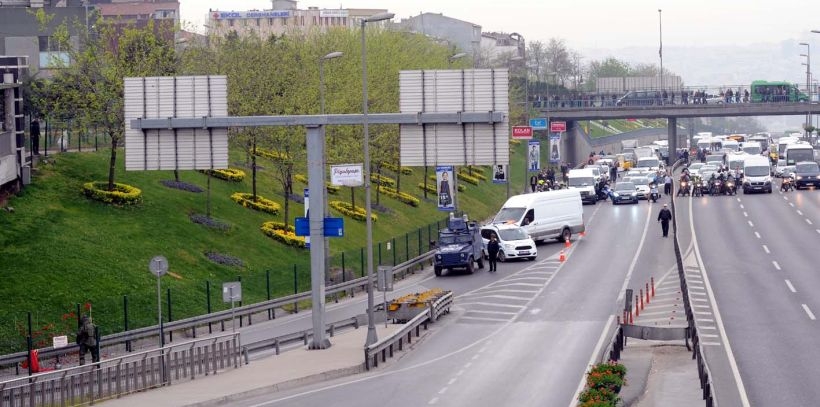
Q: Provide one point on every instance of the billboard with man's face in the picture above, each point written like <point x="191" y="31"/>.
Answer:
<point x="533" y="156"/>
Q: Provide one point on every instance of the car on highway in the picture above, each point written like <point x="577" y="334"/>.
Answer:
<point x="706" y="172"/>
<point x="513" y="240"/>
<point x="649" y="163"/>
<point x="642" y="186"/>
<point x="779" y="168"/>
<point x="694" y="168"/>
<point x="624" y="192"/>
<point x="757" y="175"/>
<point x="806" y="173"/>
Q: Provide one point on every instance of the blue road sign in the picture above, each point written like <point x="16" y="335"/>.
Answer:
<point x="302" y="227"/>
<point x="333" y="227"/>
<point x="538" y="124"/>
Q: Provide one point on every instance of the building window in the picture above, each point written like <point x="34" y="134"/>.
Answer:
<point x="50" y="53"/>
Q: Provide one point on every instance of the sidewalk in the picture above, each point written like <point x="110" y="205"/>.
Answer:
<point x="267" y="375"/>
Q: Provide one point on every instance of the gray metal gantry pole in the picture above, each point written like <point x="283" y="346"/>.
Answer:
<point x="316" y="182"/>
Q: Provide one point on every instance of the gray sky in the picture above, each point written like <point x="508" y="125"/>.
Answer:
<point x="592" y="23"/>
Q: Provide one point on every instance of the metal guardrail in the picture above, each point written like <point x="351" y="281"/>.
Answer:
<point x="116" y="377"/>
<point x="386" y="346"/>
<point x="216" y="317"/>
<point x="300" y="336"/>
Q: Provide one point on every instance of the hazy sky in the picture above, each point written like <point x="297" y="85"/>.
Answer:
<point x="592" y="23"/>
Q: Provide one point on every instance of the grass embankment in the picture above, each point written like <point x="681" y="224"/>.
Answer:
<point x="60" y="248"/>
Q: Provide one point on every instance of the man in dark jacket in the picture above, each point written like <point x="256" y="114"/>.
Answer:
<point x="664" y="217"/>
<point x="492" y="252"/>
<point x="533" y="182"/>
<point x="87" y="339"/>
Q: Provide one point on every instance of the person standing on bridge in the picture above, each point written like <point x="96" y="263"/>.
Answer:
<point x="664" y="216"/>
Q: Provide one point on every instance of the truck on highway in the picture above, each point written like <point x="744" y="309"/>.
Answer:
<point x="629" y="144"/>
<point x="544" y="215"/>
<point x="459" y="245"/>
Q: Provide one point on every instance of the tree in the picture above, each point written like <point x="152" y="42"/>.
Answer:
<point x="558" y="59"/>
<point x="89" y="89"/>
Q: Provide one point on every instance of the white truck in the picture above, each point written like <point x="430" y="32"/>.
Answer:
<point x="584" y="181"/>
<point x="545" y="215"/>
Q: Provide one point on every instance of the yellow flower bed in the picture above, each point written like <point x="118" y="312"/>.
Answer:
<point x="432" y="187"/>
<point x="401" y="196"/>
<point x="273" y="155"/>
<point x="382" y="180"/>
<point x="261" y="204"/>
<point x="347" y="209"/>
<point x="477" y="173"/>
<point x="392" y="167"/>
<point x="471" y="180"/>
<point x="278" y="231"/>
<point x="228" y="174"/>
<point x="122" y="194"/>
<point x="515" y="141"/>
<point x="331" y="189"/>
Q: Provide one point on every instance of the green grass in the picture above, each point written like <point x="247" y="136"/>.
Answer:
<point x="60" y="249"/>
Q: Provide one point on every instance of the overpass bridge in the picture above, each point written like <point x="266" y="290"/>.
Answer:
<point x="673" y="112"/>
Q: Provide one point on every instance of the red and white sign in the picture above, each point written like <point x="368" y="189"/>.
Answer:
<point x="557" y="127"/>
<point x="522" y="132"/>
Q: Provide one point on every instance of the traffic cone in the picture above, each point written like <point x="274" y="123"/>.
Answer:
<point x="583" y="234"/>
<point x="567" y="243"/>
<point x="562" y="257"/>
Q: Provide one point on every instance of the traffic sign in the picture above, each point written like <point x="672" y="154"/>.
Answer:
<point x="558" y="126"/>
<point x="158" y="266"/>
<point x="538" y="124"/>
<point x="333" y="227"/>
<point x="522" y="132"/>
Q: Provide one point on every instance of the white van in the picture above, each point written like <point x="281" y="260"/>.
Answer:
<point x="545" y="215"/>
<point x="584" y="181"/>
<point x="757" y="174"/>
<point x="652" y="164"/>
<point x="752" y="147"/>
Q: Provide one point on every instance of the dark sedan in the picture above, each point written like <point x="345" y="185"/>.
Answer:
<point x="624" y="192"/>
<point x="806" y="173"/>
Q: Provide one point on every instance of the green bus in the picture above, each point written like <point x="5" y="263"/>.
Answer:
<point x="776" y="91"/>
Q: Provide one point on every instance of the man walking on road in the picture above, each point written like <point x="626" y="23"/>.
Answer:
<point x="664" y="217"/>
<point x="492" y="252"/>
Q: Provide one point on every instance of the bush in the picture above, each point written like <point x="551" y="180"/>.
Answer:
<point x="286" y="235"/>
<point x="604" y="381"/>
<point x="122" y="194"/>
<point x="261" y="204"/>
<point x="357" y="213"/>
<point x="432" y="187"/>
<point x="401" y="196"/>
<point x="331" y="189"/>
<point x="382" y="180"/>
<point x="515" y="141"/>
<point x="273" y="155"/>
<point x="392" y="167"/>
<point x="228" y="174"/>
<point x="598" y="398"/>
<point x="478" y="173"/>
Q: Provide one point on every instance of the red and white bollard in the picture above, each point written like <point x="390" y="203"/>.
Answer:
<point x="652" y="279"/>
<point x="647" y="293"/>
<point x="641" y="297"/>
<point x="637" y="307"/>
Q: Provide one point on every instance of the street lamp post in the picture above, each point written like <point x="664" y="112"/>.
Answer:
<point x="660" y="37"/>
<point x="326" y="209"/>
<point x="452" y="58"/>
<point x="371" y="326"/>
<point x="808" y="82"/>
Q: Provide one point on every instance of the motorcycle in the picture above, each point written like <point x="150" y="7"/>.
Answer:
<point x="731" y="187"/>
<point x="604" y="193"/>
<point x="684" y="188"/>
<point x="716" y="188"/>
<point x="787" y="185"/>
<point x="654" y="195"/>
<point x="697" y="188"/>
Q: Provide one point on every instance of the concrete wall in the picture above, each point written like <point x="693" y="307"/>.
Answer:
<point x="21" y="32"/>
<point x="577" y="145"/>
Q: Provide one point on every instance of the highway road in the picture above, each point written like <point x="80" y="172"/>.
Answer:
<point x="524" y="336"/>
<point x="758" y="252"/>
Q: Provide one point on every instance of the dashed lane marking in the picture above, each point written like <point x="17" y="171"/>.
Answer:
<point x="751" y="224"/>
<point x="799" y="212"/>
<point x="489" y="304"/>
<point x="745" y="214"/>
<point x="791" y="287"/>
<point x="808" y="311"/>
<point x="777" y="266"/>
<point x="453" y="380"/>
<point x="433" y="400"/>
<point x="482" y="319"/>
<point x="710" y="343"/>
<point x="791" y="204"/>
<point x="742" y="207"/>
<point x="757" y="234"/>
<point x="766" y="249"/>
<point x="809" y="221"/>
<point x="817" y="230"/>
<point x="708" y="335"/>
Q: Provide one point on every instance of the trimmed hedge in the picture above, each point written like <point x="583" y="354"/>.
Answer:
<point x="331" y="189"/>
<point x="432" y="187"/>
<point x="392" y="167"/>
<point x="461" y="177"/>
<point x="358" y="213"/>
<point x="261" y="204"/>
<point x="123" y="194"/>
<point x="286" y="235"/>
<point x="401" y="196"/>
<point x="273" y="155"/>
<point x="228" y="174"/>
<point x="477" y="173"/>
<point x="382" y="180"/>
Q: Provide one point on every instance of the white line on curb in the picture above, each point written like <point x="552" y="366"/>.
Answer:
<point x="766" y="249"/>
<point x="751" y="224"/>
<point x="757" y="234"/>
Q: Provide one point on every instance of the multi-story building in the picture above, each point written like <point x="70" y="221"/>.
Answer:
<point x="284" y="17"/>
<point x="464" y="36"/>
<point x="496" y="46"/>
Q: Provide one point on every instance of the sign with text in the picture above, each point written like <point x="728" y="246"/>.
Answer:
<point x="558" y="126"/>
<point x="538" y="124"/>
<point x="347" y="175"/>
<point x="522" y="132"/>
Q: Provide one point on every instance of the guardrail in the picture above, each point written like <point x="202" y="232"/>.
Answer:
<point x="386" y="346"/>
<point x="116" y="377"/>
<point x="193" y="323"/>
<point x="300" y="336"/>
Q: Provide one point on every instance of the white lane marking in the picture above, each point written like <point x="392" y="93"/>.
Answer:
<point x="744" y="398"/>
<point x="453" y="380"/>
<point x="708" y="335"/>
<point x="443" y="390"/>
<point x="742" y="207"/>
<point x="745" y="214"/>
<point x="799" y="212"/>
<point x="604" y="336"/>
<point x="776" y="265"/>
<point x="460" y="372"/>
<point x="791" y="287"/>
<point x="433" y="400"/>
<point x="535" y="311"/>
<point x="483" y="348"/>
<point x="757" y="234"/>
<point x="474" y="357"/>
<point x="784" y="197"/>
<point x="808" y="311"/>
<point x="467" y="365"/>
<point x="489" y="304"/>
<point x="632" y="265"/>
<point x="766" y="249"/>
<point x="791" y="204"/>
<point x="751" y="224"/>
<point x="808" y="221"/>
<point x="477" y="311"/>
<point x="712" y="344"/>
<point x="738" y="199"/>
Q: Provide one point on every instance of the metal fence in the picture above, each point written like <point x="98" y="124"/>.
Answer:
<point x="113" y="378"/>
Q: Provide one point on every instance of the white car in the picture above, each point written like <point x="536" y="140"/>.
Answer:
<point x="779" y="168"/>
<point x="514" y="242"/>
<point x="694" y="168"/>
<point x="642" y="186"/>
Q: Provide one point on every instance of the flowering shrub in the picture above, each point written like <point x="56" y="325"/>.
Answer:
<point x="121" y="195"/>
<point x="184" y="186"/>
<point x="357" y="213"/>
<point x="477" y="173"/>
<point x="223" y="259"/>
<point x="515" y="141"/>
<point x="382" y="180"/>
<point x="392" y="167"/>
<point x="228" y="174"/>
<point x="432" y="187"/>
<point x="401" y="196"/>
<point x="461" y="188"/>
<point x="604" y="381"/>
<point x="463" y="176"/>
<point x="273" y="155"/>
<point x="278" y="231"/>
<point x="209" y="222"/>
<point x="331" y="189"/>
<point x="261" y="204"/>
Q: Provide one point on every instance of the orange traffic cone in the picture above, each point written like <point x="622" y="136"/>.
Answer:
<point x="562" y="256"/>
<point x="567" y="243"/>
<point x="583" y="234"/>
